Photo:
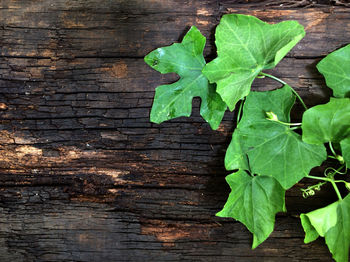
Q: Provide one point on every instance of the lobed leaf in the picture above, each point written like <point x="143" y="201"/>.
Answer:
<point x="335" y="67"/>
<point x="333" y="223"/>
<point x="254" y="201"/>
<point x="272" y="149"/>
<point x="245" y="46"/>
<point x="175" y="100"/>
<point x="256" y="105"/>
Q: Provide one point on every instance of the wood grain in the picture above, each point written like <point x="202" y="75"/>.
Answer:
<point x="85" y="176"/>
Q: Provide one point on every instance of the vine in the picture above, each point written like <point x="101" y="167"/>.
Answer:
<point x="266" y="153"/>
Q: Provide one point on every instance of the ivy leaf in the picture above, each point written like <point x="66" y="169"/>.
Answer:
<point x="175" y="100"/>
<point x="257" y="104"/>
<point x="254" y="201"/>
<point x="272" y="149"/>
<point x="336" y="70"/>
<point x="332" y="223"/>
<point x="245" y="46"/>
<point x="328" y="122"/>
<point x="277" y="151"/>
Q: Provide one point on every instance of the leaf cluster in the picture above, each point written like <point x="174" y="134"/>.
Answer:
<point x="268" y="154"/>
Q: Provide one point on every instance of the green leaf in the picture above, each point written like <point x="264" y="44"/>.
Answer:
<point x="236" y="157"/>
<point x="345" y="149"/>
<point x="272" y="149"/>
<point x="257" y="104"/>
<point x="333" y="223"/>
<point x="335" y="67"/>
<point x="328" y="122"/>
<point x="245" y="46"/>
<point x="254" y="201"/>
<point x="338" y="237"/>
<point x="318" y="222"/>
<point x="175" y="100"/>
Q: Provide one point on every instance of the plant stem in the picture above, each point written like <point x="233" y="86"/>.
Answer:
<point x="331" y="180"/>
<point x="340" y="181"/>
<point x="319" y="178"/>
<point x="331" y="147"/>
<point x="287" y="124"/>
<point x="338" y="157"/>
<point x="284" y="83"/>
<point x="328" y="180"/>
<point x="336" y="189"/>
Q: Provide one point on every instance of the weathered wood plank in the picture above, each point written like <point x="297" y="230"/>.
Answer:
<point x="55" y="29"/>
<point x="84" y="176"/>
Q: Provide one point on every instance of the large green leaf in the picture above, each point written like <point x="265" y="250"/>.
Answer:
<point x="186" y="59"/>
<point x="333" y="223"/>
<point x="257" y="104"/>
<point x="254" y="201"/>
<point x="245" y="46"/>
<point x="272" y="149"/>
<point x="328" y="122"/>
<point x="335" y="67"/>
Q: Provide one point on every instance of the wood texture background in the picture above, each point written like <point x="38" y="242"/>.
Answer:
<point x="84" y="175"/>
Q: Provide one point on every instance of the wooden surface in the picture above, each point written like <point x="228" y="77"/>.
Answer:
<point x="85" y="176"/>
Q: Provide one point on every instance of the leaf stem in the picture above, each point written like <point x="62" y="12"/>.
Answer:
<point x="319" y="178"/>
<point x="332" y="149"/>
<point x="287" y="124"/>
<point x="284" y="83"/>
<point x="338" y="157"/>
<point x="336" y="189"/>
<point x="340" y="181"/>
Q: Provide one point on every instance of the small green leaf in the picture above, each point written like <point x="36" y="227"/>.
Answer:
<point x="335" y="67"/>
<point x="333" y="223"/>
<point x="175" y="100"/>
<point x="245" y="46"/>
<point x="254" y="201"/>
<point x="272" y="149"/>
<point x="328" y="122"/>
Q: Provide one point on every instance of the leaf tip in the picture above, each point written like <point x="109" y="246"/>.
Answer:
<point x="256" y="242"/>
<point x="220" y="214"/>
<point x="151" y="59"/>
<point x="154" y="118"/>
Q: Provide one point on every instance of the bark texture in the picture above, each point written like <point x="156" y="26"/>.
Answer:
<point x="84" y="175"/>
